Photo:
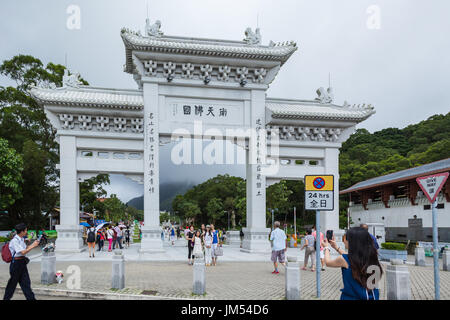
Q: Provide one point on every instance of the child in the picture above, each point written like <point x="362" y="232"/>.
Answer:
<point x="198" y="246"/>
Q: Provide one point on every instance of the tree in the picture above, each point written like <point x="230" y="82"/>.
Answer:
<point x="277" y="196"/>
<point x="24" y="125"/>
<point x="164" y="216"/>
<point x="11" y="167"/>
<point x="91" y="190"/>
<point x="214" y="208"/>
<point x="191" y="210"/>
<point x="134" y="214"/>
<point x="114" y="209"/>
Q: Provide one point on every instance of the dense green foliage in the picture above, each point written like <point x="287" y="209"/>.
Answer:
<point x="23" y="124"/>
<point x="11" y="167"/>
<point x="365" y="155"/>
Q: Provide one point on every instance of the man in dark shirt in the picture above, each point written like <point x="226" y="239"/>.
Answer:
<point x="375" y="242"/>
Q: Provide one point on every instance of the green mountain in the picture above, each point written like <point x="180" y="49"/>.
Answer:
<point x="167" y="192"/>
<point x="367" y="155"/>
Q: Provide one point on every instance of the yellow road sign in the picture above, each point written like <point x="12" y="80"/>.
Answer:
<point x="319" y="183"/>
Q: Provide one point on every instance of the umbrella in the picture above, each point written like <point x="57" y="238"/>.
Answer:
<point x="102" y="225"/>
<point x="85" y="224"/>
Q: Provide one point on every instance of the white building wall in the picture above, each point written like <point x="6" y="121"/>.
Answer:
<point x="398" y="214"/>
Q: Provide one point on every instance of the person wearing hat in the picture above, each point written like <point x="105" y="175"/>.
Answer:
<point x="208" y="239"/>
<point x="18" y="267"/>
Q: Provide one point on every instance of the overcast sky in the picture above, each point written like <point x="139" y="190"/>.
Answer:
<point x="402" y="67"/>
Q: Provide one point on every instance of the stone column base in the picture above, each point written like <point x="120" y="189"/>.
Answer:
<point x="256" y="240"/>
<point x="70" y="239"/>
<point x="234" y="239"/>
<point x="151" y="240"/>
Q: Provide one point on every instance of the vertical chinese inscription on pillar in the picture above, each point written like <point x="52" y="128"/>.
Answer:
<point x="259" y="184"/>
<point x="151" y="154"/>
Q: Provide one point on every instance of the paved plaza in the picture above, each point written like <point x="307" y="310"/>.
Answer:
<point x="238" y="275"/>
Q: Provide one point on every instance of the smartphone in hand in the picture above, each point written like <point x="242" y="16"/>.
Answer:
<point x="329" y="235"/>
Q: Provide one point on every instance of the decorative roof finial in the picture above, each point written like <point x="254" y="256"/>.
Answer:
<point x="252" y="37"/>
<point x="72" y="80"/>
<point x="325" y="96"/>
<point x="153" y="30"/>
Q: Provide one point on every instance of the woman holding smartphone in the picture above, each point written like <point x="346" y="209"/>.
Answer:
<point x="357" y="265"/>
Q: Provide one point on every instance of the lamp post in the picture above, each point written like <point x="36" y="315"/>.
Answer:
<point x="295" y="221"/>
<point x="272" y="218"/>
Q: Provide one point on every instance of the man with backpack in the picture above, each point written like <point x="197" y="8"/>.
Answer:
<point x="90" y="239"/>
<point x="15" y="252"/>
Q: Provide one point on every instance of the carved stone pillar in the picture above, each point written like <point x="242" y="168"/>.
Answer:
<point x="151" y="231"/>
<point x="256" y="234"/>
<point x="69" y="230"/>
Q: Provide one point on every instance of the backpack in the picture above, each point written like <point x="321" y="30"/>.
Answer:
<point x="91" y="236"/>
<point x="115" y="234"/>
<point x="6" y="253"/>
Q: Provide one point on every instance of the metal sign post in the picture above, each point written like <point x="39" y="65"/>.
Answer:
<point x="319" y="196"/>
<point x="431" y="186"/>
<point x="437" y="294"/>
<point x="318" y="269"/>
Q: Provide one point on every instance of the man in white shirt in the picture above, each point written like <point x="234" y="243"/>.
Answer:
<point x="278" y="238"/>
<point x="18" y="268"/>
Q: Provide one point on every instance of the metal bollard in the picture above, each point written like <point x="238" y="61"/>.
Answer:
<point x="446" y="259"/>
<point x="199" y="283"/>
<point x="48" y="268"/>
<point x="398" y="285"/>
<point x="118" y="271"/>
<point x="420" y="256"/>
<point x="292" y="290"/>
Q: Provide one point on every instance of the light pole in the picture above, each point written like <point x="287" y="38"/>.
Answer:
<point x="272" y="217"/>
<point x="295" y="221"/>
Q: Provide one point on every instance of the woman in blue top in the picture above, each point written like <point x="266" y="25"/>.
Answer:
<point x="358" y="266"/>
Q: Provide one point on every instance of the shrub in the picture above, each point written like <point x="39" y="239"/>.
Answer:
<point x="393" y="246"/>
<point x="3" y="239"/>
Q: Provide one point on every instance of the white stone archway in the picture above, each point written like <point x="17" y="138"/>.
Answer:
<point x="182" y="81"/>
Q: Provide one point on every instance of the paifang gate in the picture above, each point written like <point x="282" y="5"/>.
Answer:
<point x="183" y="84"/>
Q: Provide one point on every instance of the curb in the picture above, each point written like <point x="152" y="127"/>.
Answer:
<point x="90" y="295"/>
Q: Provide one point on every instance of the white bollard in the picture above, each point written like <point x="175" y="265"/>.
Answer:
<point x="446" y="259"/>
<point x="118" y="271"/>
<point x="48" y="268"/>
<point x="398" y="286"/>
<point x="199" y="283"/>
<point x="292" y="279"/>
<point x="420" y="256"/>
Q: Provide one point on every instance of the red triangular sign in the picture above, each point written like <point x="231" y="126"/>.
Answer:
<point x="431" y="185"/>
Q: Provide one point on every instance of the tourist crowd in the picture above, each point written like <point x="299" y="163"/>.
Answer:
<point x="205" y="243"/>
<point x="114" y="235"/>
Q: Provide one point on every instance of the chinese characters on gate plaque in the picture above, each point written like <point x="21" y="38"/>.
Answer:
<point x="259" y="185"/>
<point x="203" y="111"/>
<point x="151" y="155"/>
